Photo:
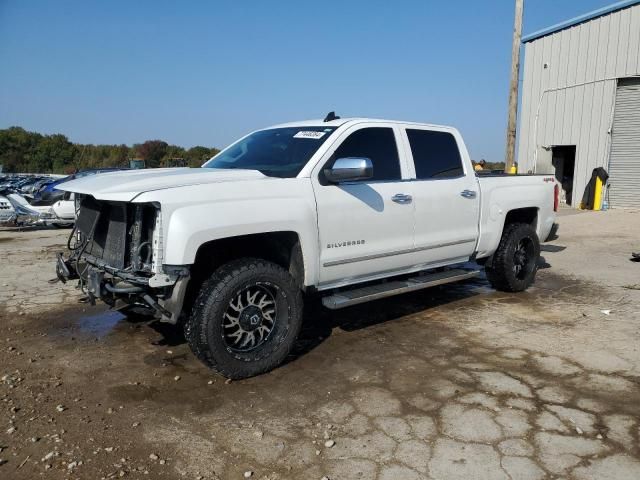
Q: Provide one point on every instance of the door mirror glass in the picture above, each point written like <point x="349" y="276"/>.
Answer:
<point x="349" y="169"/>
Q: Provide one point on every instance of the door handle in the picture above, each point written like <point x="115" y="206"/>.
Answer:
<point x="468" y="194"/>
<point x="402" y="198"/>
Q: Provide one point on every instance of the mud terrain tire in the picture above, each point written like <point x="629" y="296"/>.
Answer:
<point x="246" y="318"/>
<point x="515" y="263"/>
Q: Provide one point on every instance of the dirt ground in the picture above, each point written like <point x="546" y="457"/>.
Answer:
<point x="455" y="382"/>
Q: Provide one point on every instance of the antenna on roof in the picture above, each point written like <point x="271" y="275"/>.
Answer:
<point x="331" y="116"/>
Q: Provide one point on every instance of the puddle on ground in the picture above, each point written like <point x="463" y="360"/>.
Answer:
<point x="96" y="322"/>
<point x="99" y="324"/>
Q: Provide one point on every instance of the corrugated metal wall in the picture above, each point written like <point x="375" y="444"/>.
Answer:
<point x="571" y="100"/>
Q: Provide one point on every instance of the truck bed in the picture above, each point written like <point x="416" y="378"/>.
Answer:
<point x="501" y="192"/>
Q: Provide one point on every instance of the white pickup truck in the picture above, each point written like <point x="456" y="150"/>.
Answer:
<point x="351" y="209"/>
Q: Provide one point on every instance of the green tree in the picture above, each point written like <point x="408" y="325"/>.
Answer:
<point x="152" y="152"/>
<point x="22" y="151"/>
<point x="54" y="153"/>
<point x="172" y="152"/>
<point x="197" y="155"/>
<point x="17" y="147"/>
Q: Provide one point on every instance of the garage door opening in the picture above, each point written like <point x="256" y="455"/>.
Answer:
<point x="563" y="158"/>
<point x="624" y="158"/>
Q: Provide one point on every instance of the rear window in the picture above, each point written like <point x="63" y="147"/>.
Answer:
<point x="435" y="154"/>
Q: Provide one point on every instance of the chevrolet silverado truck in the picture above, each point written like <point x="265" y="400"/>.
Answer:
<point x="352" y="210"/>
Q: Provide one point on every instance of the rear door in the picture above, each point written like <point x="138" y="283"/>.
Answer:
<point x="446" y="196"/>
<point x="364" y="229"/>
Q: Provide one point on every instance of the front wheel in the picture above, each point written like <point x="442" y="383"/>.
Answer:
<point x="246" y="318"/>
<point x="515" y="263"/>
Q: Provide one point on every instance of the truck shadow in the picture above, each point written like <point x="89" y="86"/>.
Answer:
<point x="552" y="248"/>
<point x="542" y="263"/>
<point x="320" y="322"/>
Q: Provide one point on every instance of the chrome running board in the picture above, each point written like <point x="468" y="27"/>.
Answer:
<point x="355" y="296"/>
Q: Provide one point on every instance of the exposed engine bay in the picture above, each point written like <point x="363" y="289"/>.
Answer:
<point x="116" y="256"/>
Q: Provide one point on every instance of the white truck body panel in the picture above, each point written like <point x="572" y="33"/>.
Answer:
<point x="350" y="232"/>
<point x="498" y="197"/>
<point x="364" y="214"/>
<point x="192" y="216"/>
<point x="446" y="223"/>
<point x="125" y="185"/>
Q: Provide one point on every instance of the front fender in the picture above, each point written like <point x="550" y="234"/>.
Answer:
<point x="285" y="205"/>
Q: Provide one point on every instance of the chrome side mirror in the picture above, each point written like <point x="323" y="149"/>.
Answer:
<point x="349" y="169"/>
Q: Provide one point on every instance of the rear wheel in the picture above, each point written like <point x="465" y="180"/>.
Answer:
<point x="515" y="263"/>
<point x="246" y="318"/>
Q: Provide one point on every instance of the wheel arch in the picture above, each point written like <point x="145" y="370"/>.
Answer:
<point x="281" y="247"/>
<point x="528" y="215"/>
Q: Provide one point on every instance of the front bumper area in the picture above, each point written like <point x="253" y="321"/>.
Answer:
<point x="119" y="288"/>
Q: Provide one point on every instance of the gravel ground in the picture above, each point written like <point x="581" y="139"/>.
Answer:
<point x="455" y="382"/>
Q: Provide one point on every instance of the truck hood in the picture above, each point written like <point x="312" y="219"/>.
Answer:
<point x="124" y="186"/>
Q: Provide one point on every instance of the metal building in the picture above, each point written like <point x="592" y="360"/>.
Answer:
<point x="580" y="104"/>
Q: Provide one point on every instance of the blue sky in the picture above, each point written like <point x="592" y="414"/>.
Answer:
<point x="206" y="72"/>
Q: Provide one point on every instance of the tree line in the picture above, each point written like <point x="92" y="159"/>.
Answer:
<point x="22" y="151"/>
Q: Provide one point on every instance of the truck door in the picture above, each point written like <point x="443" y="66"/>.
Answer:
<point x="447" y="200"/>
<point x="365" y="227"/>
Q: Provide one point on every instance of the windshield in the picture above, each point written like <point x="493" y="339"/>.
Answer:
<point x="278" y="152"/>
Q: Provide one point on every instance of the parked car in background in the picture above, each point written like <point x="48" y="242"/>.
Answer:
<point x="7" y="212"/>
<point x="61" y="213"/>
<point x="15" y="209"/>
<point x="29" y="199"/>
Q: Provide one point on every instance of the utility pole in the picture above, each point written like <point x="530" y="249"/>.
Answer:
<point x="513" y="89"/>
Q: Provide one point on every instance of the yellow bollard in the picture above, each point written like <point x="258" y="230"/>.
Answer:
<point x="597" y="194"/>
<point x="513" y="170"/>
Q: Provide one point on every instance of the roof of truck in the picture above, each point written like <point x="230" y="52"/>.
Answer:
<point x="341" y="121"/>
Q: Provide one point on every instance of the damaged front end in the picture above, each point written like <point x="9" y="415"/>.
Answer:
<point x="116" y="256"/>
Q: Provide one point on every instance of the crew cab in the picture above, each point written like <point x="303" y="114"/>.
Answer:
<point x="352" y="210"/>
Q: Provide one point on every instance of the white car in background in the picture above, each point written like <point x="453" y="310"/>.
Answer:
<point x="61" y="214"/>
<point x="7" y="212"/>
<point x="14" y="208"/>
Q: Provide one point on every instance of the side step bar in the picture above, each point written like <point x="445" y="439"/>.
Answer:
<point x="388" y="289"/>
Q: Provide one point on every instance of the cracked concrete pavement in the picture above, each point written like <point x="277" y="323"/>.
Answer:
<point x="455" y="382"/>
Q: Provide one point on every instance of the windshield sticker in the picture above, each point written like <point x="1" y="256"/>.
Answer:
<point x="309" y="134"/>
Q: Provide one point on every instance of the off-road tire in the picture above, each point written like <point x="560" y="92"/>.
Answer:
<point x="204" y="328"/>
<point x="500" y="269"/>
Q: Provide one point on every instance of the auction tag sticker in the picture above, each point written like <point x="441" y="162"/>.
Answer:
<point x="309" y="134"/>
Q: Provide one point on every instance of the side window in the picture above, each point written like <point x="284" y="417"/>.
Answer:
<point x="435" y="154"/>
<point x="377" y="144"/>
